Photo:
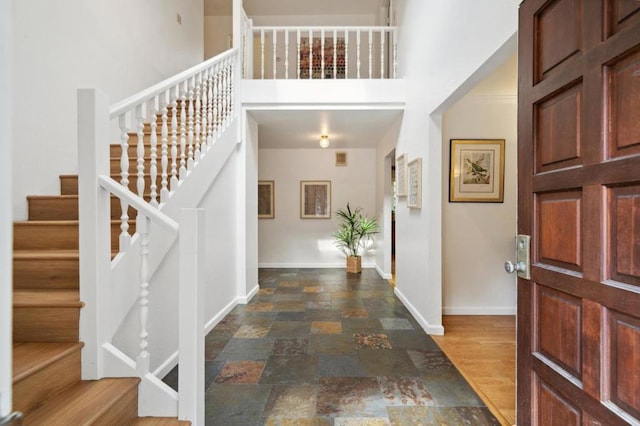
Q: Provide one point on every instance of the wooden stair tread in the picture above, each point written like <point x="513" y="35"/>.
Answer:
<point x="46" y="254"/>
<point x="46" y="298"/>
<point x="159" y="421"/>
<point x="46" y="222"/>
<point x="31" y="357"/>
<point x="83" y="403"/>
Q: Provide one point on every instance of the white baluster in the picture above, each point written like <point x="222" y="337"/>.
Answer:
<point x="183" y="133"/>
<point x="142" y="362"/>
<point x="174" y="138"/>
<point x="153" y="153"/>
<point x="335" y="54"/>
<point x="370" y="53"/>
<point x="382" y="61"/>
<point x="298" y="53"/>
<point x="140" y="151"/>
<point x="322" y="53"/>
<point x="190" y="139"/>
<point x="204" y="140"/>
<point x="220" y="116"/>
<point x="125" y="238"/>
<point x="275" y="45"/>
<point x="262" y="54"/>
<point x="230" y="91"/>
<point x="198" y="119"/>
<point x="215" y="102"/>
<point x="164" y="161"/>
<point x="346" y="53"/>
<point x="210" y="116"/>
<point x="286" y="54"/>
<point x="395" y="53"/>
<point x="358" y="54"/>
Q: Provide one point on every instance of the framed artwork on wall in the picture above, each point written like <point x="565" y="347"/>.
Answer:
<point x="414" y="185"/>
<point x="476" y="171"/>
<point x="266" y="199"/>
<point x="315" y="199"/>
<point x="341" y="158"/>
<point x="401" y="175"/>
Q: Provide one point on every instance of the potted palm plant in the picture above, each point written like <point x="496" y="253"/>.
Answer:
<point x="355" y="231"/>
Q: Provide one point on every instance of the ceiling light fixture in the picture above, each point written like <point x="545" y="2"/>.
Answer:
<point x="324" y="141"/>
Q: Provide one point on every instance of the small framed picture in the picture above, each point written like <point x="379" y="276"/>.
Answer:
<point x="401" y="175"/>
<point x="266" y="199"/>
<point x="341" y="158"/>
<point x="476" y="171"/>
<point x="414" y="177"/>
<point x="315" y="199"/>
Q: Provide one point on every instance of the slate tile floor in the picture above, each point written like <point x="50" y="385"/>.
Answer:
<point x="322" y="347"/>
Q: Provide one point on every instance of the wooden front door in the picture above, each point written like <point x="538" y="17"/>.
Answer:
<point x="579" y="199"/>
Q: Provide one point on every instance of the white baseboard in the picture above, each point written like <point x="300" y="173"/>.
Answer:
<point x="164" y="368"/>
<point x="243" y="300"/>
<point x="219" y="316"/>
<point x="382" y="274"/>
<point x="310" y="265"/>
<point x="437" y="330"/>
<point x="476" y="310"/>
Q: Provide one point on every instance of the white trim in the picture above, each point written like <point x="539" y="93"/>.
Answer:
<point x="340" y="265"/>
<point x="478" y="310"/>
<point x="219" y="316"/>
<point x="436" y="330"/>
<point x="382" y="274"/>
<point x="168" y="365"/>
<point x="243" y="300"/>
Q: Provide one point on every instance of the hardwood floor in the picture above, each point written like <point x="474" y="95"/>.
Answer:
<point x="483" y="348"/>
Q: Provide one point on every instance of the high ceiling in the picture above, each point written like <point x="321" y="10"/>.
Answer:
<point x="302" y="128"/>
<point x="295" y="7"/>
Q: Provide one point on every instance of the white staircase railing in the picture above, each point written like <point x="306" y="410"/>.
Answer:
<point x="328" y="52"/>
<point x="174" y="124"/>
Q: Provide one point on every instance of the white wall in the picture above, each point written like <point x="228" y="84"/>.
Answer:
<point x="288" y="240"/>
<point x="480" y="236"/>
<point x="117" y="46"/>
<point x="6" y="240"/>
<point x="217" y="31"/>
<point x="441" y="46"/>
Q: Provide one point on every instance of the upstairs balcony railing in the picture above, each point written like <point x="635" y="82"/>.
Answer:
<point x="340" y="52"/>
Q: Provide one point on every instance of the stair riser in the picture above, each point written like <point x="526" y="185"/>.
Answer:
<point x="69" y="184"/>
<point x="29" y="393"/>
<point x="45" y="324"/>
<point x="45" y="273"/>
<point x="65" y="209"/>
<point x="29" y="236"/>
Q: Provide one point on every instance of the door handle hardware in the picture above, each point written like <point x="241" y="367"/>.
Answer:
<point x="522" y="265"/>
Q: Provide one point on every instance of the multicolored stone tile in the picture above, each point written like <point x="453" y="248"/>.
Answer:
<point x="326" y="327"/>
<point x="350" y="397"/>
<point x="290" y="306"/>
<point x="260" y="307"/>
<point x="313" y="421"/>
<point x="251" y="332"/>
<point x="372" y="341"/>
<point x="404" y="391"/>
<point x="289" y="284"/>
<point x="318" y="305"/>
<point x="291" y="369"/>
<point x="292" y="402"/>
<point x="331" y="344"/>
<point x="266" y="291"/>
<point x="354" y="313"/>
<point x="290" y="346"/>
<point x="361" y="421"/>
<point x="340" y="365"/>
<point x="395" y="324"/>
<point x="240" y="372"/>
<point x="313" y="289"/>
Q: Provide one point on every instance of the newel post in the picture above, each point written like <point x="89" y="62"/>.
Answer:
<point x="191" y="316"/>
<point x="95" y="240"/>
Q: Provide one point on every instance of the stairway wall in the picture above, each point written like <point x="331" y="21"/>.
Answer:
<point x="5" y="209"/>
<point x="213" y="186"/>
<point x="117" y="46"/>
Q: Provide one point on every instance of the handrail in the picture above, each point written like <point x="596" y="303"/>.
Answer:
<point x="126" y="104"/>
<point x="139" y="204"/>
<point x="325" y="27"/>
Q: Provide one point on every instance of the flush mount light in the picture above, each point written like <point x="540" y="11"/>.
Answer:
<point x="324" y="141"/>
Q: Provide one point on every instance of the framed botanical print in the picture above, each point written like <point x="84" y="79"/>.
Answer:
<point x="414" y="183"/>
<point x="315" y="199"/>
<point x="401" y="175"/>
<point x="476" y="171"/>
<point x="266" y="199"/>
